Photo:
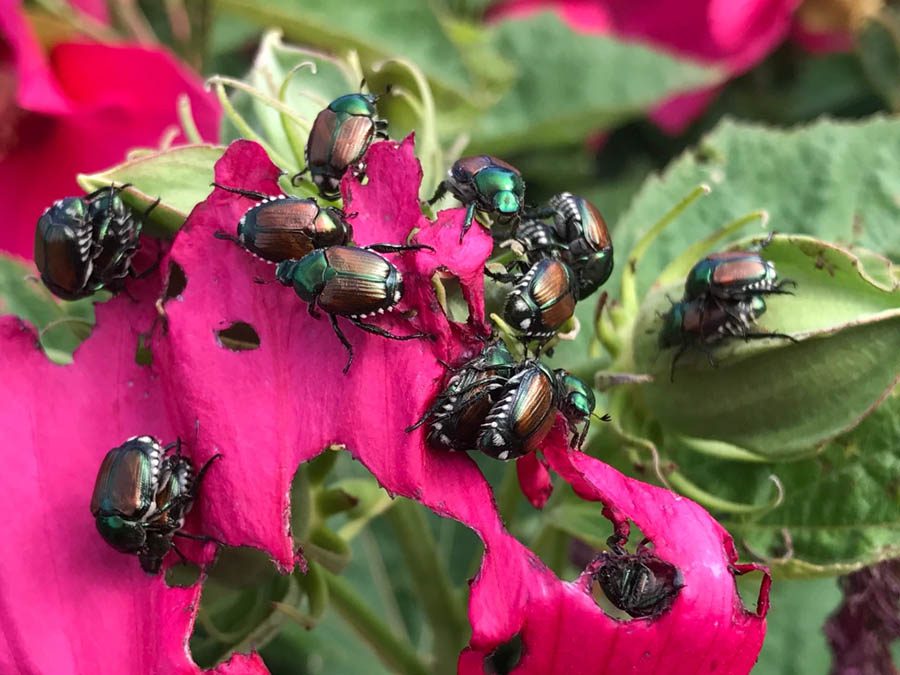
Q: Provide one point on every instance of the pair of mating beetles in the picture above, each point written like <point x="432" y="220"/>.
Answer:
<point x="503" y="407"/>
<point x="723" y="297"/>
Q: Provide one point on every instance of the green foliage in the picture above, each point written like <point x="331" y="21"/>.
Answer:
<point x="179" y="177"/>
<point x="832" y="180"/>
<point x="61" y="326"/>
<point x="557" y="99"/>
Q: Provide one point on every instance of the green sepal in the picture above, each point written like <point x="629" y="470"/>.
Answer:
<point x="179" y="177"/>
<point x="777" y="399"/>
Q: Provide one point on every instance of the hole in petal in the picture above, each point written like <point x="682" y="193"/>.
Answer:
<point x="176" y="282"/>
<point x="238" y="337"/>
<point x="506" y="657"/>
<point x="182" y="575"/>
<point x="753" y="581"/>
<point x="450" y="296"/>
<point x="142" y="354"/>
<point x="237" y="599"/>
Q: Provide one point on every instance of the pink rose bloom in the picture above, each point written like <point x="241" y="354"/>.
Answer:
<point x="732" y="35"/>
<point x="78" y="108"/>
<point x="72" y="603"/>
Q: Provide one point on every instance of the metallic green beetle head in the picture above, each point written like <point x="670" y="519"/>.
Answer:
<point x="127" y="536"/>
<point x="355" y="104"/>
<point x="577" y="398"/>
<point x="307" y="275"/>
<point x="503" y="188"/>
<point x="671" y="334"/>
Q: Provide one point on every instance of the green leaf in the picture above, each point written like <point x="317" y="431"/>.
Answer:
<point x="841" y="508"/>
<point x="377" y="29"/>
<point x="775" y="398"/>
<point x="581" y="520"/>
<point x="795" y="643"/>
<point x="62" y="326"/>
<point x="179" y="177"/>
<point x="277" y="73"/>
<point x="833" y="180"/>
<point x="571" y="84"/>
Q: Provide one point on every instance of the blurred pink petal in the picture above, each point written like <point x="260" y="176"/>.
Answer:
<point x="77" y="111"/>
<point x="733" y="35"/>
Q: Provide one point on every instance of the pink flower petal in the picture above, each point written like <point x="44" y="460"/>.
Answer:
<point x="269" y="409"/>
<point x="534" y="479"/>
<point x="80" y="111"/>
<point x="706" y="630"/>
<point x="68" y="602"/>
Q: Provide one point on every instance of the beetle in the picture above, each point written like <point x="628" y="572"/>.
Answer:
<point x="455" y="418"/>
<point x="699" y="323"/>
<point x="576" y="401"/>
<point x="523" y="414"/>
<point x="351" y="282"/>
<point x="141" y="496"/>
<point x="579" y="236"/>
<point x="640" y="583"/>
<point x="84" y="244"/>
<point x="733" y="275"/>
<point x="542" y="300"/>
<point x="283" y="227"/>
<point x="487" y="184"/>
<point x="338" y="139"/>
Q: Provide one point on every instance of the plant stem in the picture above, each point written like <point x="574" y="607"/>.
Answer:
<point x="431" y="582"/>
<point x="395" y="653"/>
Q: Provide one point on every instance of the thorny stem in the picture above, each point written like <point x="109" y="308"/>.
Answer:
<point x="393" y="652"/>
<point x="442" y="606"/>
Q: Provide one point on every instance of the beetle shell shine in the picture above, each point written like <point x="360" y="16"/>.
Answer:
<point x="522" y="417"/>
<point x="340" y="136"/>
<point x="731" y="275"/>
<point x="63" y="248"/>
<point x="289" y="228"/>
<point x="359" y="282"/>
<point x="543" y="299"/>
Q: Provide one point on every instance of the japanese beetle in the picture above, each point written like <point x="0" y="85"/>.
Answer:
<point x="455" y="417"/>
<point x="486" y="184"/>
<point x="639" y="583"/>
<point x="542" y="300"/>
<point x="589" y="249"/>
<point x="141" y="497"/>
<point x="339" y="138"/>
<point x="700" y="323"/>
<point x="350" y="282"/>
<point x="83" y="244"/>
<point x="733" y="275"/>
<point x="575" y="400"/>
<point x="523" y="414"/>
<point x="284" y="228"/>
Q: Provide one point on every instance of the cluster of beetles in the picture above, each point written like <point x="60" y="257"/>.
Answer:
<point x="493" y="403"/>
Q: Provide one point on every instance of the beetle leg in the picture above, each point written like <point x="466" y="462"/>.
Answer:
<point x="313" y="312"/>
<point x="467" y="223"/>
<point x="227" y="237"/>
<point x="543" y="212"/>
<point x="343" y="339"/>
<point x="199" y="537"/>
<point x="675" y="359"/>
<point x="375" y="330"/>
<point x="253" y="194"/>
<point x="762" y="336"/>
<point x="203" y="469"/>
<point x="184" y="561"/>
<point x="149" y="208"/>
<point x="438" y="193"/>
<point x="297" y="178"/>
<point x="397" y="248"/>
